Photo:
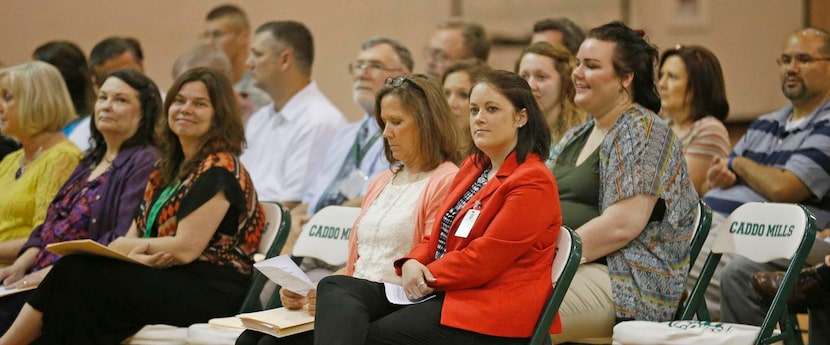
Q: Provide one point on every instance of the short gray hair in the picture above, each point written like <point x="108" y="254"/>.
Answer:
<point x="403" y="53"/>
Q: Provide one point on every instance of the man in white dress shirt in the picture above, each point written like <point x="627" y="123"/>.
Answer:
<point x="287" y="139"/>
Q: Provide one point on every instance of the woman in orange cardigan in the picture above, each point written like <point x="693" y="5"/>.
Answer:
<point x="401" y="203"/>
<point x="488" y="257"/>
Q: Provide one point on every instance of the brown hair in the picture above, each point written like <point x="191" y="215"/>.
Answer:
<point x="563" y="63"/>
<point x="534" y="136"/>
<point x="438" y="128"/>
<point x="476" y="41"/>
<point x="226" y="131"/>
<point x="704" y="84"/>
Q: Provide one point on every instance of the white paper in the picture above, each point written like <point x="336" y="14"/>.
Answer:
<point x="283" y="271"/>
<point x="395" y="294"/>
<point x="4" y="291"/>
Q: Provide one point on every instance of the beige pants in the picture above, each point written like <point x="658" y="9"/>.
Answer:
<point x="587" y="310"/>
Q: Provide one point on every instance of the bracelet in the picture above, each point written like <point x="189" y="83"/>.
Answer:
<point x="729" y="163"/>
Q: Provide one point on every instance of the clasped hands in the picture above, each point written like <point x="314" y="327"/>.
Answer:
<point x="415" y="279"/>
<point x="719" y="175"/>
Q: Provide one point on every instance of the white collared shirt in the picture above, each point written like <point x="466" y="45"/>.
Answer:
<point x="286" y="148"/>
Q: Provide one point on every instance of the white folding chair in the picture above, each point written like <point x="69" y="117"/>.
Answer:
<point x="565" y="263"/>
<point x="761" y="232"/>
<point x="326" y="235"/>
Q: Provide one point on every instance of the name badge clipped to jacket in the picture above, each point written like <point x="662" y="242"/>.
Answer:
<point x="468" y="221"/>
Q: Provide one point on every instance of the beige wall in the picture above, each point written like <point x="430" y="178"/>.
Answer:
<point x="746" y="34"/>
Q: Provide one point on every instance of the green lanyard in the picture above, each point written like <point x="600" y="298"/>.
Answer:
<point x="166" y="194"/>
<point x="357" y="153"/>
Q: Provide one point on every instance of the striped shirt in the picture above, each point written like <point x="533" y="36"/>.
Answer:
<point x="708" y="137"/>
<point x="803" y="150"/>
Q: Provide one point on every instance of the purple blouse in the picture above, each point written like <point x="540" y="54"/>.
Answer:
<point x="102" y="209"/>
<point x="69" y="215"/>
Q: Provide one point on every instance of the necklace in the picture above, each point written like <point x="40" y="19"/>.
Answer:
<point x="25" y="162"/>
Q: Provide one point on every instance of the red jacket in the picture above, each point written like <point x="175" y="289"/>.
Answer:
<point x="497" y="279"/>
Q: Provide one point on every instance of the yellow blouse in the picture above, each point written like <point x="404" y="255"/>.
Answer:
<point x="24" y="200"/>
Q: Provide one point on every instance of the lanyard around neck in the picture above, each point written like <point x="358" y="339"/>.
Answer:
<point x="166" y="194"/>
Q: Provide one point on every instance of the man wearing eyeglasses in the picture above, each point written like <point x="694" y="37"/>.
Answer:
<point x="227" y="28"/>
<point x="356" y="153"/>
<point x="287" y="139"/>
<point x="455" y="40"/>
<point x="784" y="157"/>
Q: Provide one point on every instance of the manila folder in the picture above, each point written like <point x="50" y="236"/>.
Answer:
<point x="87" y="247"/>
<point x="279" y="322"/>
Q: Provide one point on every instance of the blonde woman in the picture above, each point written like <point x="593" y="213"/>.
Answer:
<point x="547" y="69"/>
<point x="34" y="106"/>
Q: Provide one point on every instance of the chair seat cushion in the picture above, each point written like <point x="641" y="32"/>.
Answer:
<point x="159" y="335"/>
<point x="684" y="332"/>
<point x="204" y="334"/>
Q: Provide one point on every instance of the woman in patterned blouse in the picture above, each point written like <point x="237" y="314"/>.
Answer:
<point x="624" y="187"/>
<point x="193" y="236"/>
<point x="693" y="99"/>
<point x="99" y="199"/>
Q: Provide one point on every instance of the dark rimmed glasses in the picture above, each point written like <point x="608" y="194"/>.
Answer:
<point x="799" y="59"/>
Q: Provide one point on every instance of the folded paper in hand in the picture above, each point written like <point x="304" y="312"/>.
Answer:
<point x="87" y="247"/>
<point x="395" y="294"/>
<point x="279" y="322"/>
<point x="283" y="271"/>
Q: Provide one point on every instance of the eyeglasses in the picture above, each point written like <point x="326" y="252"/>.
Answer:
<point x="370" y="66"/>
<point x="437" y="55"/>
<point x="800" y="59"/>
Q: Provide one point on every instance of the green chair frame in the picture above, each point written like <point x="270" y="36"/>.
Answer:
<point x="703" y="224"/>
<point x="777" y="313"/>
<point x="253" y="301"/>
<point x="565" y="263"/>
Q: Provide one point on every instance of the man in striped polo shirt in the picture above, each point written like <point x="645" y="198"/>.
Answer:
<point x="784" y="157"/>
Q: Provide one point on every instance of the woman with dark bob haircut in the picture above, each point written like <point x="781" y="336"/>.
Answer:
<point x="493" y="241"/>
<point x="193" y="236"/>
<point x="624" y="188"/>
<point x="98" y="200"/>
<point x="693" y="100"/>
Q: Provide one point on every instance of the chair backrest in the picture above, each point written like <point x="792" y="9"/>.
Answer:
<point x="703" y="222"/>
<point x="274" y="235"/>
<point x="326" y="235"/>
<point x="762" y="232"/>
<point x="565" y="263"/>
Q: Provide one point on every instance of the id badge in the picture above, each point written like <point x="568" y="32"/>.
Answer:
<point x="467" y="223"/>
<point x="353" y="184"/>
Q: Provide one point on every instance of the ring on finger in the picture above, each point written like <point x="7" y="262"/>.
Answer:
<point x="25" y="282"/>
<point x="421" y="284"/>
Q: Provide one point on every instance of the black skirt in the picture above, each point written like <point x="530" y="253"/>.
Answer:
<point x="97" y="300"/>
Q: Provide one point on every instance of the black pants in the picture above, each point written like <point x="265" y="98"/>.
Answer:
<point x="250" y="337"/>
<point x="353" y="311"/>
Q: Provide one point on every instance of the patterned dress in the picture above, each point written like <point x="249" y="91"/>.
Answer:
<point x="641" y="155"/>
<point x="96" y="300"/>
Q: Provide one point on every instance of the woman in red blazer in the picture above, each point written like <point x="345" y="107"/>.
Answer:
<point x="487" y="260"/>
